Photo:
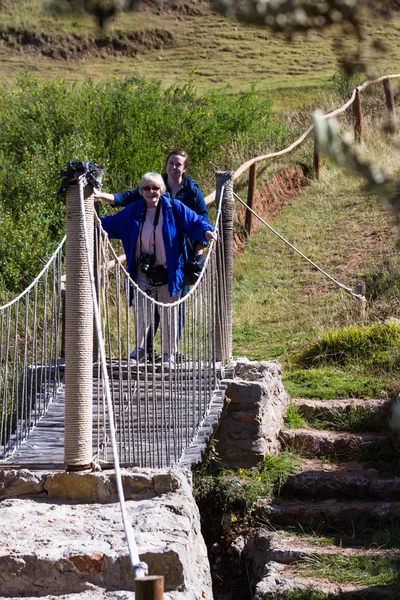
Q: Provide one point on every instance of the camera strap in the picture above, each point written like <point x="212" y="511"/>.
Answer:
<point x="156" y="219"/>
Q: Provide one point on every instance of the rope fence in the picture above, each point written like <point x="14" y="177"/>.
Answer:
<point x="251" y="166"/>
<point x="355" y="99"/>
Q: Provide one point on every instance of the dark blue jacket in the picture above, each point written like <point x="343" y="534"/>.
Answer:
<point x="125" y="225"/>
<point x="190" y="195"/>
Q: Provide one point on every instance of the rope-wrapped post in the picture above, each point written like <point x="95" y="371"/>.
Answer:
<point x="389" y="99"/>
<point x="223" y="332"/>
<point x="78" y="451"/>
<point x="250" y="196"/>
<point x="358" y="124"/>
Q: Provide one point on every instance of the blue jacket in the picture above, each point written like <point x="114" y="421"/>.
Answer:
<point x="190" y="195"/>
<point x="125" y="226"/>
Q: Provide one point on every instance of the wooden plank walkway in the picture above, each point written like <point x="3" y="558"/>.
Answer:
<point x="161" y="419"/>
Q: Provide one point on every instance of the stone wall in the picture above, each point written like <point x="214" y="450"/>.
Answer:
<point x="62" y="534"/>
<point x="255" y="405"/>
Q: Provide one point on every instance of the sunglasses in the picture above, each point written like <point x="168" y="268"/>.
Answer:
<point x="151" y="188"/>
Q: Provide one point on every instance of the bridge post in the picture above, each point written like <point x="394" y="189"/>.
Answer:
<point x="78" y="451"/>
<point x="223" y="317"/>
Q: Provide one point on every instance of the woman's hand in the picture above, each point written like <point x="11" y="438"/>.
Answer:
<point x="103" y="196"/>
<point x="211" y="235"/>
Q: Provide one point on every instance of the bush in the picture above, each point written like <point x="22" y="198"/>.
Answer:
<point x="373" y="346"/>
<point x="128" y="126"/>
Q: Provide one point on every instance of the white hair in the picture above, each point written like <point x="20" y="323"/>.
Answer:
<point x="152" y="177"/>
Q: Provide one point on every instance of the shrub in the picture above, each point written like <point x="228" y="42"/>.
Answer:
<point x="127" y="126"/>
<point x="354" y="345"/>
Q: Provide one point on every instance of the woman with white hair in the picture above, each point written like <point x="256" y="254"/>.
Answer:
<point x="152" y="243"/>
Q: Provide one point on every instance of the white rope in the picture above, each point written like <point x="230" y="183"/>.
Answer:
<point x="341" y="285"/>
<point x="139" y="568"/>
<point x="35" y="281"/>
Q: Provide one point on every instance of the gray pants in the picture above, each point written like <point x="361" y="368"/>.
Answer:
<point x="144" y="315"/>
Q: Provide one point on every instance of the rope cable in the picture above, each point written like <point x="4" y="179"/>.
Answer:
<point x="34" y="282"/>
<point x="139" y="568"/>
<point x="341" y="285"/>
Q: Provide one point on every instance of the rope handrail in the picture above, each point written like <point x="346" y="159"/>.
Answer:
<point x="35" y="281"/>
<point x="245" y="166"/>
<point x="139" y="568"/>
<point x="341" y="285"/>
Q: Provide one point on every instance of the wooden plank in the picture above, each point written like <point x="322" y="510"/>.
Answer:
<point x="160" y="441"/>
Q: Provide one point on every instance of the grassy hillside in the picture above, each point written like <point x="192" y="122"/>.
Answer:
<point x="283" y="306"/>
<point x="169" y="42"/>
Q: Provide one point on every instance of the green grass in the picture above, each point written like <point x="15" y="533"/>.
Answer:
<point x="373" y="346"/>
<point x="330" y="383"/>
<point x="366" y="570"/>
<point x="284" y="309"/>
<point x="380" y="537"/>
<point x="350" y="419"/>
<point x="313" y="594"/>
<point x="237" y="492"/>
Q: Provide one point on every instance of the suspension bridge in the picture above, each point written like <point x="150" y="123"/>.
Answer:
<point x="70" y="396"/>
<point x="69" y="388"/>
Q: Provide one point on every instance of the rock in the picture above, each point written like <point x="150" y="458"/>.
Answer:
<point x="329" y="512"/>
<point x="98" y="486"/>
<point x="63" y="546"/>
<point x="253" y="414"/>
<point x="14" y="483"/>
<point x="310" y="409"/>
<point x="311" y="442"/>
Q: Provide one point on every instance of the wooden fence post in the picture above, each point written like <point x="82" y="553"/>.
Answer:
<point x="389" y="98"/>
<point x="251" y="190"/>
<point x="223" y="316"/>
<point x="317" y="159"/>
<point x="358" y="124"/>
<point x="149" y="588"/>
<point x="360" y="289"/>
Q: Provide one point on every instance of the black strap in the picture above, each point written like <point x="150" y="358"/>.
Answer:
<point x="183" y="250"/>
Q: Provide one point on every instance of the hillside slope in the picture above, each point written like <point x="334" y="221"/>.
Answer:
<point x="180" y="40"/>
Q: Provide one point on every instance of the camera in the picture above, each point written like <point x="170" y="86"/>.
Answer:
<point x="146" y="260"/>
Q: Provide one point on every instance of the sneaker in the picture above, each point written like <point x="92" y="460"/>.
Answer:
<point x="138" y="353"/>
<point x="168" y="361"/>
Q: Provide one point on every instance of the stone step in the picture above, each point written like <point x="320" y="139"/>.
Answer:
<point x="273" y="560"/>
<point x="314" y="409"/>
<point x="280" y="579"/>
<point x="312" y="442"/>
<point x="319" y="479"/>
<point x="328" y="513"/>
<point x="263" y="546"/>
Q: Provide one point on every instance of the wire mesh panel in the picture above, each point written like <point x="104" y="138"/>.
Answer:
<point x="30" y="346"/>
<point x="158" y="404"/>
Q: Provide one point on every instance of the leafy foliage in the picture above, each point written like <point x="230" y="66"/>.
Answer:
<point x="238" y="492"/>
<point x="128" y="126"/>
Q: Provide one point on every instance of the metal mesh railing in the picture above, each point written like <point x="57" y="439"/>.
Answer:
<point x="158" y="406"/>
<point x="30" y="348"/>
